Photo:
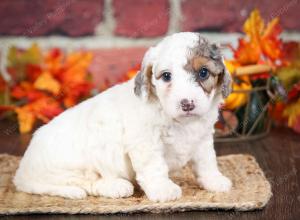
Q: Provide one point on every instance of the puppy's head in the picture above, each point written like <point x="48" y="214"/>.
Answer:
<point x="185" y="73"/>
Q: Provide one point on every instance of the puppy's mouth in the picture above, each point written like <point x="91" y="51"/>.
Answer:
<point x="188" y="115"/>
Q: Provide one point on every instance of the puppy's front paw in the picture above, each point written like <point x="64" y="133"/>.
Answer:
<point x="163" y="191"/>
<point x="72" y="192"/>
<point x="216" y="183"/>
<point x="113" y="188"/>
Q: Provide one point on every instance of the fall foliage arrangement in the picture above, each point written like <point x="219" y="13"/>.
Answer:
<point x="265" y="72"/>
<point x="263" y="59"/>
<point x="42" y="85"/>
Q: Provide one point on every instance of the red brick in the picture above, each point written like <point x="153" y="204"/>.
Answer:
<point x="35" y="17"/>
<point x="141" y="18"/>
<point x="82" y="17"/>
<point x="109" y="64"/>
<point x="229" y="15"/>
<point x="208" y="15"/>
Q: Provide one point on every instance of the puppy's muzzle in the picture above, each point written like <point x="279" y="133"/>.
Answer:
<point x="187" y="105"/>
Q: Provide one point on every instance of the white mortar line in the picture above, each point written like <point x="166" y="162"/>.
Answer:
<point x="175" y="16"/>
<point x="108" y="23"/>
<point x="98" y="42"/>
<point x="108" y="42"/>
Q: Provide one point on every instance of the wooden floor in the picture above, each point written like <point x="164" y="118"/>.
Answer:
<point x="278" y="155"/>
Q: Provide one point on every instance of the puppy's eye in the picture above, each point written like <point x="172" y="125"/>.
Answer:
<point x="166" y="76"/>
<point x="203" y="73"/>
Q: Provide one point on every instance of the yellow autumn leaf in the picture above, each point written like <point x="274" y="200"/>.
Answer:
<point x="46" y="82"/>
<point x="292" y="112"/>
<point x="26" y="119"/>
<point x="254" y="26"/>
<point x="231" y="65"/>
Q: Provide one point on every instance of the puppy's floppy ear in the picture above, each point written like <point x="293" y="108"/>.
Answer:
<point x="225" y="79"/>
<point x="226" y="82"/>
<point x="143" y="80"/>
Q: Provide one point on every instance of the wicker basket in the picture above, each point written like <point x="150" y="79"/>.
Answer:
<point x="252" y="119"/>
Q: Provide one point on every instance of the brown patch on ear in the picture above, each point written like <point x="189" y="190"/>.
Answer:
<point x="143" y="83"/>
<point x="149" y="85"/>
<point x="226" y="83"/>
<point x="138" y="82"/>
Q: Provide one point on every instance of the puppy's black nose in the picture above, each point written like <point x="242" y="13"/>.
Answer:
<point x="187" y="105"/>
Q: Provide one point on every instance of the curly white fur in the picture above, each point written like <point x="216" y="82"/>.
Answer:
<point x="103" y="145"/>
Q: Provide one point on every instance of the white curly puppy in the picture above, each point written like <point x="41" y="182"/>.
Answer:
<point x="136" y="131"/>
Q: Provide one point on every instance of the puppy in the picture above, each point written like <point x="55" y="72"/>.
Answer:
<point x="137" y="131"/>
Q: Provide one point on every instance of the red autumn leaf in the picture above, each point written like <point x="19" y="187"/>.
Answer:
<point x="47" y="108"/>
<point x="294" y="93"/>
<point x="296" y="125"/>
<point x="33" y="71"/>
<point x="6" y="108"/>
<point x="26" y="90"/>
<point x="3" y="84"/>
<point x="290" y="50"/>
<point x="276" y="112"/>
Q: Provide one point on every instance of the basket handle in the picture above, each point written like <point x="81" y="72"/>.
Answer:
<point x="252" y="69"/>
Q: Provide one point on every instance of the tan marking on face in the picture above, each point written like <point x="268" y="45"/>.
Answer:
<point x="209" y="84"/>
<point x="209" y="55"/>
<point x="198" y="62"/>
<point x="195" y="64"/>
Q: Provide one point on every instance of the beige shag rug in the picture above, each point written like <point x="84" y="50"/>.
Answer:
<point x="251" y="190"/>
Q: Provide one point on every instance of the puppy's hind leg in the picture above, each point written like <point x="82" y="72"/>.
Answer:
<point x="111" y="187"/>
<point x="65" y="184"/>
<point x="67" y="191"/>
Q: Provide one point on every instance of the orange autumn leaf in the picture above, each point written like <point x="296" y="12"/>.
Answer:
<point x="247" y="53"/>
<point x="132" y="72"/>
<point x="270" y="43"/>
<point x="43" y="109"/>
<point x="261" y="40"/>
<point x="53" y="61"/>
<point x="76" y="67"/>
<point x="69" y="101"/>
<point x="48" y="83"/>
<point x="74" y="77"/>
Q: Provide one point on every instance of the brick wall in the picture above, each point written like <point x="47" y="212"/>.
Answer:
<point x="136" y="18"/>
<point x="119" y="31"/>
